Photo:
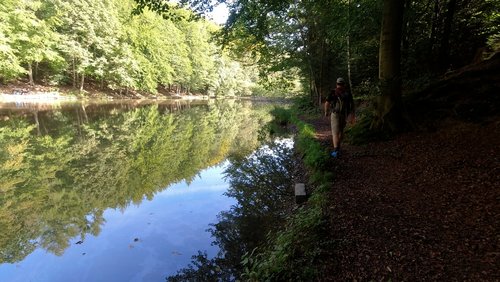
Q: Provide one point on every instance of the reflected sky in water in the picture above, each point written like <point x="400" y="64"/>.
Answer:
<point x="99" y="172"/>
<point x="141" y="243"/>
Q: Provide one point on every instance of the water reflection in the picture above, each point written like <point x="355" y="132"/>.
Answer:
<point x="62" y="169"/>
<point x="262" y="185"/>
<point x="140" y="243"/>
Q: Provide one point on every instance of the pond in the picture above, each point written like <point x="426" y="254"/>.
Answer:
<point x="121" y="191"/>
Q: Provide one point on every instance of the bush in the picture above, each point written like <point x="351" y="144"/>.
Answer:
<point x="366" y="89"/>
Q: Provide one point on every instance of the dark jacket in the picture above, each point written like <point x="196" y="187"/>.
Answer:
<point x="341" y="102"/>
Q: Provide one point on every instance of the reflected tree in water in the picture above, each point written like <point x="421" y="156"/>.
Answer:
<point x="56" y="186"/>
<point x="262" y="184"/>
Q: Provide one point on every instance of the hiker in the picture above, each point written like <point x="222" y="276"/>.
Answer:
<point x="341" y="106"/>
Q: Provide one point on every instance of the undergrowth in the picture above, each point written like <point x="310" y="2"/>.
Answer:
<point x="364" y="130"/>
<point x="296" y="252"/>
<point x="299" y="251"/>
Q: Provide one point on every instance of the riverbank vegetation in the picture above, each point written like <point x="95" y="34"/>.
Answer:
<point x="297" y="250"/>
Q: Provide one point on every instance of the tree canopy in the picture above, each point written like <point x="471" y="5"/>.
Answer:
<point x="322" y="40"/>
<point x="110" y="45"/>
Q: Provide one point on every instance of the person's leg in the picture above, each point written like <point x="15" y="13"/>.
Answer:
<point x="335" y="124"/>
<point x="342" y="124"/>
<point x="337" y="136"/>
<point x="336" y="140"/>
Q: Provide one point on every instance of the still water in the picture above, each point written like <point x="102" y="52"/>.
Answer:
<point x="121" y="191"/>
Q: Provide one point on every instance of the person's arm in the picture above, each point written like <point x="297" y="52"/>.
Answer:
<point x="327" y="106"/>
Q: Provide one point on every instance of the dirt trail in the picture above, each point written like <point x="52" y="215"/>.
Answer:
<point x="424" y="206"/>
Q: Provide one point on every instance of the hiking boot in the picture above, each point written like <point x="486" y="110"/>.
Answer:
<point x="335" y="154"/>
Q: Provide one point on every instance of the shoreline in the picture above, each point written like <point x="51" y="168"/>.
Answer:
<point x="36" y="97"/>
<point x="55" y="96"/>
<point x="21" y="92"/>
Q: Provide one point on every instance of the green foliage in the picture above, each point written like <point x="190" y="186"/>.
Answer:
<point x="10" y="67"/>
<point x="201" y="269"/>
<point x="437" y="39"/>
<point x="493" y="22"/>
<point x="363" y="131"/>
<point x="304" y="105"/>
<point x="366" y="89"/>
<point x="280" y="122"/>
<point x="323" y="39"/>
<point x="315" y="156"/>
<point x="281" y="116"/>
<point x="101" y="43"/>
<point x="293" y="253"/>
<point x="308" y="39"/>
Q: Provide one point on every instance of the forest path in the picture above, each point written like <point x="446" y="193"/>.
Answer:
<point x="423" y="206"/>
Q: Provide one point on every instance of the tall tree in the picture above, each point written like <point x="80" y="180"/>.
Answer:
<point x="31" y="38"/>
<point x="389" y="107"/>
<point x="445" y="38"/>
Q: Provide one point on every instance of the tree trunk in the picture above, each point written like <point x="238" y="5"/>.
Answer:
<point x="389" y="106"/>
<point x="434" y="28"/>
<point x="84" y="110"/>
<point x="35" y="75"/>
<point x="74" y="73"/>
<point x="313" y="90"/>
<point x="444" y="56"/>
<point x="82" y="81"/>
<point x="322" y="87"/>
<point x="37" y="123"/>
<point x="349" y="63"/>
<point x="405" y="40"/>
<point x="349" y="45"/>
<point x="79" y="122"/>
<point x="30" y="74"/>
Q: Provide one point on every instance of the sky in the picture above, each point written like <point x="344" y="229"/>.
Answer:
<point x="220" y="14"/>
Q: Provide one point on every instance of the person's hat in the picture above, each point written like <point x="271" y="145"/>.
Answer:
<point x="340" y="80"/>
